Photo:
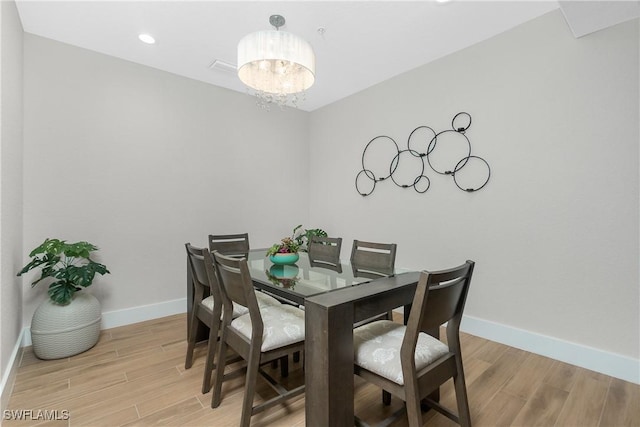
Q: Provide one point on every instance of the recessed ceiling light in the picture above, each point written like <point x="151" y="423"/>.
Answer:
<point x="146" y="38"/>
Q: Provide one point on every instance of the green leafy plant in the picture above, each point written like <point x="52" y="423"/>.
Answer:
<point x="297" y="242"/>
<point x="302" y="238"/>
<point x="69" y="264"/>
<point x="286" y="246"/>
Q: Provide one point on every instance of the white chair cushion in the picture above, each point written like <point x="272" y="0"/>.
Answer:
<point x="239" y="310"/>
<point x="264" y="299"/>
<point x="283" y="325"/>
<point x="377" y="349"/>
<point x="208" y="303"/>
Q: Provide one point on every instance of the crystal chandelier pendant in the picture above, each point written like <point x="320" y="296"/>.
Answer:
<point x="277" y="66"/>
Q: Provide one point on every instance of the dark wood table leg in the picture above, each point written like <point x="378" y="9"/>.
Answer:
<point x="329" y="365"/>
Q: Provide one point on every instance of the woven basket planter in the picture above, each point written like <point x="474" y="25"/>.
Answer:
<point x="59" y="331"/>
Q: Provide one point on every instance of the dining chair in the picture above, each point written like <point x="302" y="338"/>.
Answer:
<point x="236" y="245"/>
<point x="263" y="335"/>
<point x="207" y="308"/>
<point x="325" y="252"/>
<point x="410" y="363"/>
<point x="373" y="260"/>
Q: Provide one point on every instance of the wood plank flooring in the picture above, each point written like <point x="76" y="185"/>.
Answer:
<point x="135" y="376"/>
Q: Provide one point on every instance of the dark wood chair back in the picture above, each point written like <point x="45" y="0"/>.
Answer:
<point x="324" y="251"/>
<point x="237" y="288"/>
<point x="214" y="284"/>
<point x="198" y="270"/>
<point x="371" y="259"/>
<point x="236" y="245"/>
<point x="440" y="298"/>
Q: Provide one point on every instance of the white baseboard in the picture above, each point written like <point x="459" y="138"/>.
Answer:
<point x="127" y="316"/>
<point x="612" y="364"/>
<point x="8" y="379"/>
<point x="615" y="365"/>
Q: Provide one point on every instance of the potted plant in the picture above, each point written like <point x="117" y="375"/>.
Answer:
<point x="286" y="252"/>
<point x="68" y="322"/>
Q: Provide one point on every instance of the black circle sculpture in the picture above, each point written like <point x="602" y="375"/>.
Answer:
<point x="367" y="178"/>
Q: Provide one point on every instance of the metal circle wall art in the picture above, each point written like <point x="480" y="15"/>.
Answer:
<point x="447" y="153"/>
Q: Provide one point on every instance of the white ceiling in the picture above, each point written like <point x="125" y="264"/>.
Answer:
<point x="364" y="42"/>
<point x="585" y="17"/>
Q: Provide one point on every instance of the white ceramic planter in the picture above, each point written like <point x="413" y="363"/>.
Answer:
<point x="59" y="331"/>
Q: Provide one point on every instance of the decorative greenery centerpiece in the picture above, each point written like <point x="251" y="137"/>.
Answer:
<point x="69" y="264"/>
<point x="286" y="252"/>
<point x="297" y="242"/>
<point x="286" y="246"/>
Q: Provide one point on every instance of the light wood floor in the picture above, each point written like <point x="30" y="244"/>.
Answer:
<point x="135" y="376"/>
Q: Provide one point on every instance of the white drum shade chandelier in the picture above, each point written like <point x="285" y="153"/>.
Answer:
<point x="277" y="65"/>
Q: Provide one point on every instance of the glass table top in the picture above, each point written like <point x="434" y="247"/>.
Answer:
<point x="304" y="278"/>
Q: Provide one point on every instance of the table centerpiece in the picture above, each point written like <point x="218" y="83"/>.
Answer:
<point x="285" y="252"/>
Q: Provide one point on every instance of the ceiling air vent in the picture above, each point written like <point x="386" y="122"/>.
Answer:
<point x="220" y="65"/>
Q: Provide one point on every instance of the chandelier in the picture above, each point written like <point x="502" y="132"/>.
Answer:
<point x="278" y="66"/>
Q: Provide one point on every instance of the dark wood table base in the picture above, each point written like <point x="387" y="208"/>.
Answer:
<point x="329" y="343"/>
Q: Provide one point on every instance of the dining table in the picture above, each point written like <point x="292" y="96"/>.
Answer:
<point x="334" y="299"/>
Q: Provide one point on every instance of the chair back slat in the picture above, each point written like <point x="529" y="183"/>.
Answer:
<point x="212" y="275"/>
<point x="371" y="259"/>
<point x="231" y="280"/>
<point x="373" y="255"/>
<point x="443" y="303"/>
<point x="235" y="281"/>
<point x="196" y="265"/>
<point x="440" y="297"/>
<point x="236" y="245"/>
<point x="325" y="250"/>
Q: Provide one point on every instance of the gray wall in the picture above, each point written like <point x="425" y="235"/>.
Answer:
<point x="10" y="188"/>
<point x="555" y="231"/>
<point x="139" y="161"/>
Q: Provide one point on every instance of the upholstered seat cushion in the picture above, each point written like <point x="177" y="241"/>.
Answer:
<point x="283" y="325"/>
<point x="239" y="310"/>
<point x="264" y="300"/>
<point x="377" y="349"/>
